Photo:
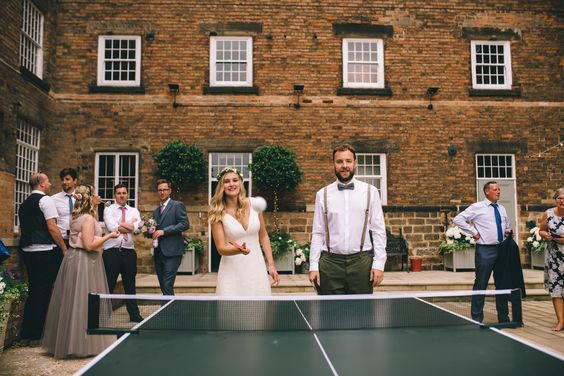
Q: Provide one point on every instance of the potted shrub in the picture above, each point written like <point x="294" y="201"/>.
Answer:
<point x="283" y="247"/>
<point x="184" y="165"/>
<point x="13" y="291"/>
<point x="458" y="249"/>
<point x="536" y="246"/>
<point x="275" y="170"/>
<point x="193" y="247"/>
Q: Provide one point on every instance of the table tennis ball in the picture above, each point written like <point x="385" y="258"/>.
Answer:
<point x="258" y="203"/>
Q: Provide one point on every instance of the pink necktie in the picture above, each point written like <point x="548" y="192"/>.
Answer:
<point x="162" y="207"/>
<point x="125" y="237"/>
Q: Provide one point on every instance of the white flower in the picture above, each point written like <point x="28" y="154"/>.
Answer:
<point x="472" y="241"/>
<point x="533" y="230"/>
<point x="298" y="261"/>
<point x="449" y="241"/>
<point x="530" y="239"/>
<point x="303" y="258"/>
<point x="2" y="286"/>
<point x="538" y="237"/>
<point x="457" y="235"/>
<point x="535" y="244"/>
<point x="450" y="232"/>
<point x="299" y="252"/>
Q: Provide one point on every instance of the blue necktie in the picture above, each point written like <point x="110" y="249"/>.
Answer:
<point x="342" y="187"/>
<point x="71" y="206"/>
<point x="498" y="223"/>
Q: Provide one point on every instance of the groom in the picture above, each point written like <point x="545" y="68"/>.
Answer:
<point x="171" y="221"/>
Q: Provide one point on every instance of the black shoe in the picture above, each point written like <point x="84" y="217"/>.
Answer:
<point x="136" y="318"/>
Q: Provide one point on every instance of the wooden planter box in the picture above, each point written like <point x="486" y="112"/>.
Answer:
<point x="285" y="263"/>
<point x="462" y="259"/>
<point x="190" y="262"/>
<point x="537" y="260"/>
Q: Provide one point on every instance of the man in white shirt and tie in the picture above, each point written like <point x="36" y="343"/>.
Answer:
<point x="64" y="201"/>
<point x="490" y="225"/>
<point x="119" y="253"/>
<point x="348" y="245"/>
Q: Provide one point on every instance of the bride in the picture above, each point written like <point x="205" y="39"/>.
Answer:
<point x="239" y="232"/>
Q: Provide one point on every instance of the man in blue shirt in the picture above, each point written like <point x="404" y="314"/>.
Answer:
<point x="490" y="224"/>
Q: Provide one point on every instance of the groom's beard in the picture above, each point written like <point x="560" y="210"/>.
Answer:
<point x="342" y="178"/>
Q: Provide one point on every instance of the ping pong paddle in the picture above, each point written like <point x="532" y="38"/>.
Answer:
<point x="316" y="286"/>
<point x="239" y="246"/>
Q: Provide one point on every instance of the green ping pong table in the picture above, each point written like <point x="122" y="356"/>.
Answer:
<point x="309" y="335"/>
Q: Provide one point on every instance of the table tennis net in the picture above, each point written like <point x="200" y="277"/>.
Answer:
<point x="108" y="313"/>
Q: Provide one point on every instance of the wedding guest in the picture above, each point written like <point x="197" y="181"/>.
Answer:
<point x="348" y="242"/>
<point x="171" y="222"/>
<point x="119" y="253"/>
<point x="42" y="249"/>
<point x="552" y="230"/>
<point x="81" y="272"/>
<point x="490" y="224"/>
<point x="239" y="231"/>
<point x="64" y="201"/>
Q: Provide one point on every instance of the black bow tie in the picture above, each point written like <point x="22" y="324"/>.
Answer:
<point x="345" y="186"/>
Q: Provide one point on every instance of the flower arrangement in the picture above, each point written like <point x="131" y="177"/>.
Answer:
<point x="12" y="287"/>
<point x="456" y="240"/>
<point x="281" y="243"/>
<point x="194" y="243"/>
<point x="147" y="227"/>
<point x="302" y="254"/>
<point x="535" y="243"/>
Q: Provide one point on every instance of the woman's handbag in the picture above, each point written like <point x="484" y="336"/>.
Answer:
<point x="4" y="253"/>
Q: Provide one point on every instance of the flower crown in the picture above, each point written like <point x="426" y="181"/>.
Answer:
<point x="227" y="170"/>
<point x="77" y="196"/>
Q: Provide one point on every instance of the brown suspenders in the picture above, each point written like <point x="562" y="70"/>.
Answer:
<point x="327" y="237"/>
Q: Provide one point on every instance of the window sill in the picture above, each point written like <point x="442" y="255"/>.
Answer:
<point x="252" y="90"/>
<point x="116" y="89"/>
<point x="31" y="77"/>
<point x="385" y="92"/>
<point x="495" y="93"/>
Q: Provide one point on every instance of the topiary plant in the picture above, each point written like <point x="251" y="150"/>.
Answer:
<point x="182" y="164"/>
<point x="275" y="170"/>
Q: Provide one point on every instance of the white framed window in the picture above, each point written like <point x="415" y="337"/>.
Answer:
<point x="231" y="61"/>
<point x="371" y="169"/>
<point x="115" y="168"/>
<point x="363" y="63"/>
<point x="28" y="140"/>
<point x="495" y="166"/>
<point x="31" y="42"/>
<point x="119" y="60"/>
<point x="491" y="64"/>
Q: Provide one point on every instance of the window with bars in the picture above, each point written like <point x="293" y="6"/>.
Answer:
<point x="491" y="65"/>
<point x="371" y="169"/>
<point x="231" y="61"/>
<point x="494" y="166"/>
<point x="27" y="162"/>
<point x="31" y="40"/>
<point x="116" y="168"/>
<point x="119" y="60"/>
<point x="363" y="63"/>
<point x="218" y="161"/>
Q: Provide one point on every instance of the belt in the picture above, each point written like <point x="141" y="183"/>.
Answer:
<point x="119" y="249"/>
<point x="341" y="255"/>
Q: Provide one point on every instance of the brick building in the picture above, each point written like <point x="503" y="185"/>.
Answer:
<point x="87" y="84"/>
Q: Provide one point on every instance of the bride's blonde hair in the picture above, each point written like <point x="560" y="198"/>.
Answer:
<point x="218" y="201"/>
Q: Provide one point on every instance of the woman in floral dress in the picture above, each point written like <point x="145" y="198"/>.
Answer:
<point x="552" y="230"/>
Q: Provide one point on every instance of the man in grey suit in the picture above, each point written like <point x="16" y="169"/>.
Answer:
<point x="171" y="221"/>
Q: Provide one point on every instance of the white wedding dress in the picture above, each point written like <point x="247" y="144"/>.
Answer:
<point x="243" y="275"/>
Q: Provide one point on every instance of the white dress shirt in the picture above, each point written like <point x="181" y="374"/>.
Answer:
<point x="346" y="220"/>
<point x="62" y="204"/>
<point x="112" y="219"/>
<point x="482" y="216"/>
<point x="47" y="206"/>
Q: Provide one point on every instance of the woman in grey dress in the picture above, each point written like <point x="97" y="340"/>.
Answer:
<point x="81" y="272"/>
<point x="552" y="230"/>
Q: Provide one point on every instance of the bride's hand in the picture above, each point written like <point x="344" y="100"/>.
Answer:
<point x="274" y="274"/>
<point x="245" y="250"/>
